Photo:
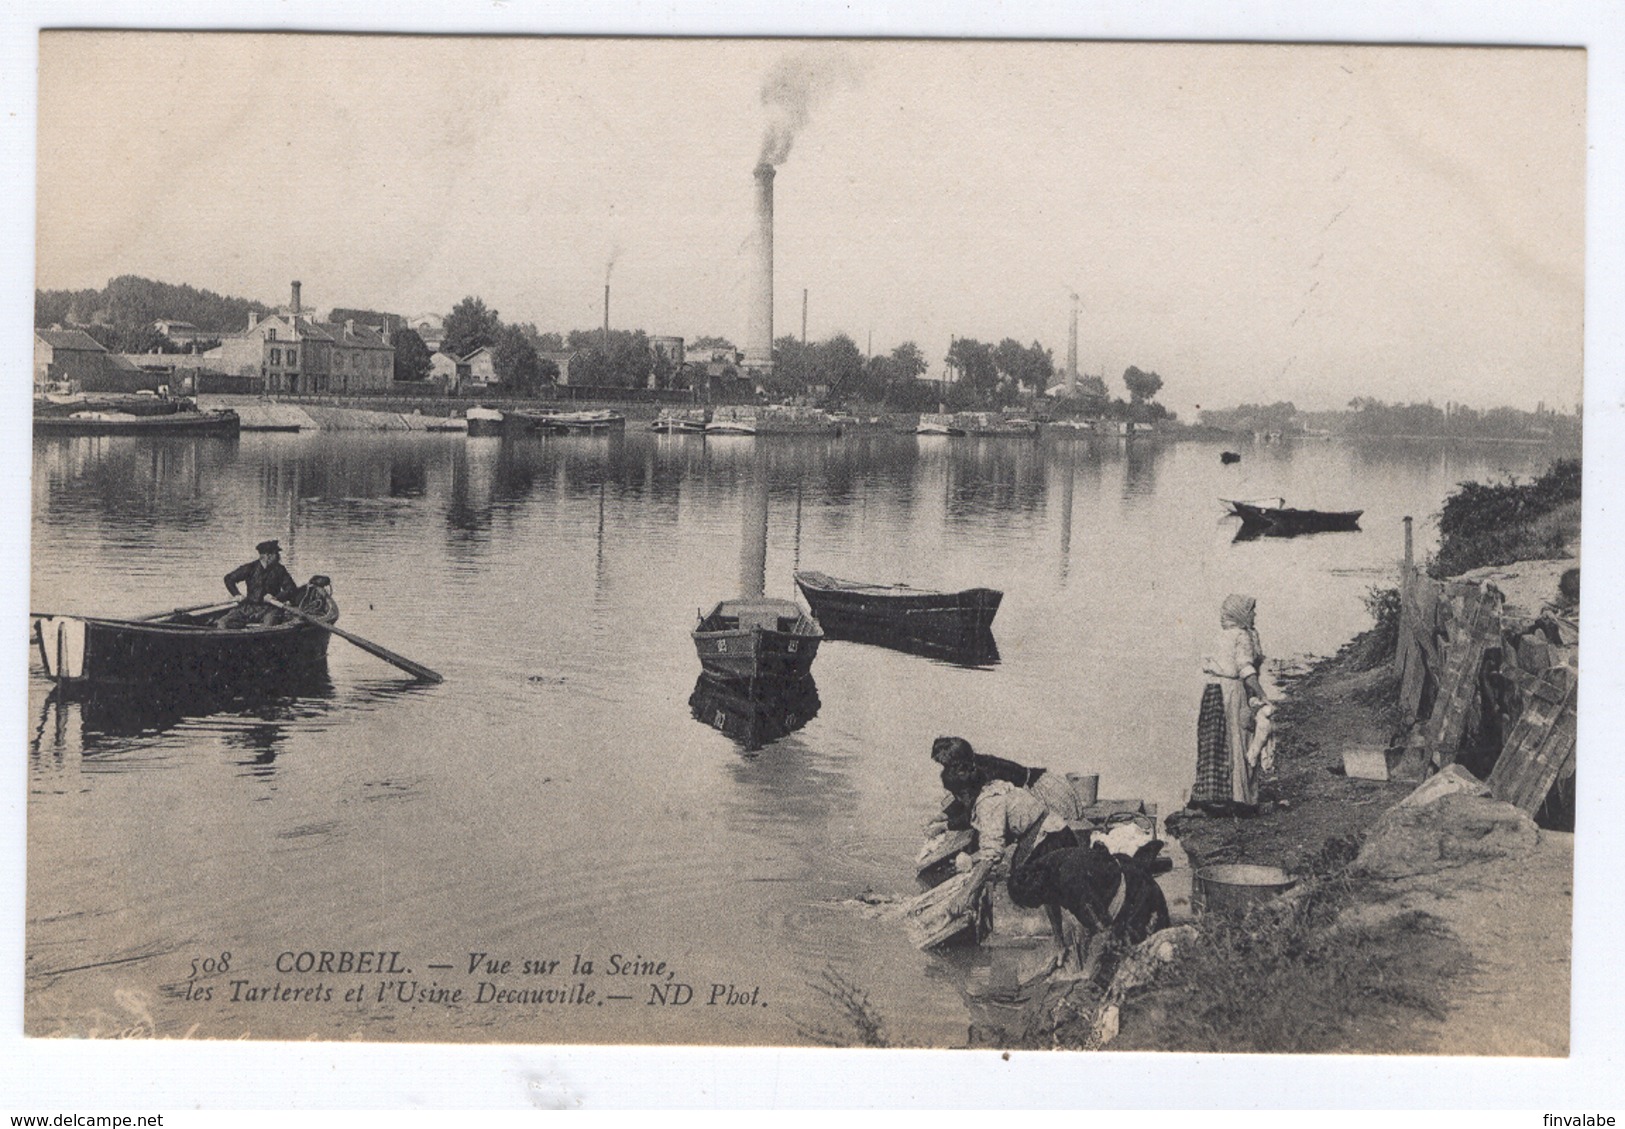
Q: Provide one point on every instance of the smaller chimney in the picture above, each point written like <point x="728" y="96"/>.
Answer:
<point x="296" y="297"/>
<point x="349" y="327"/>
<point x="253" y="319"/>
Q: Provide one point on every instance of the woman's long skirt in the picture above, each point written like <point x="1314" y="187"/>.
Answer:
<point x="1222" y="726"/>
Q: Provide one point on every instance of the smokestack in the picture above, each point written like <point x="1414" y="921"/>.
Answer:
<point x="1072" y="350"/>
<point x="606" y="317"/>
<point x="295" y="302"/>
<point x="803" y="315"/>
<point x="759" y="331"/>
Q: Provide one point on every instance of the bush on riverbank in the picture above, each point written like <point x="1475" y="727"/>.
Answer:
<point x="1498" y="523"/>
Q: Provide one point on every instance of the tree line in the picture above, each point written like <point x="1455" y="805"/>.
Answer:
<point x="1366" y="416"/>
<point x="121" y="315"/>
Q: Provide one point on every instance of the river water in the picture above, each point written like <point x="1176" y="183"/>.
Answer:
<point x="556" y="799"/>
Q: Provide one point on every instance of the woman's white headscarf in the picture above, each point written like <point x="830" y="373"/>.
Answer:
<point x="1237" y="612"/>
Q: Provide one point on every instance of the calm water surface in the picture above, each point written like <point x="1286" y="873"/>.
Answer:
<point x="556" y="795"/>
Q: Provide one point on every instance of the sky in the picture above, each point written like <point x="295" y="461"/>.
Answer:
<point x="1253" y="223"/>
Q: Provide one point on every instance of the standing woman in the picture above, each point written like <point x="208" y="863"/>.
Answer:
<point x="1224" y="782"/>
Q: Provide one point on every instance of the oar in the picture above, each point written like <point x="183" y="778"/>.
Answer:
<point x="188" y="611"/>
<point x="418" y="671"/>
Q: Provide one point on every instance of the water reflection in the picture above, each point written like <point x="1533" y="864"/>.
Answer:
<point x="754" y="715"/>
<point x="1140" y="459"/>
<point x="973" y="647"/>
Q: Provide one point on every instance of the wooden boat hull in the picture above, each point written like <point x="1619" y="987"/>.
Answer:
<point x="896" y="614"/>
<point x="175" y="423"/>
<point x="1287" y="522"/>
<point x="753" y="640"/>
<point x="176" y="657"/>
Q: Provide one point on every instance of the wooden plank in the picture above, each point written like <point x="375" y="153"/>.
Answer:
<point x="1412" y="676"/>
<point x="1476" y="627"/>
<point x="1541" y="745"/>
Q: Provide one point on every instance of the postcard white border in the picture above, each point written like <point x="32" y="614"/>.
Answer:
<point x="61" y="1076"/>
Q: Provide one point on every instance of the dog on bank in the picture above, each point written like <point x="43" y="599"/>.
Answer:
<point x="1112" y="896"/>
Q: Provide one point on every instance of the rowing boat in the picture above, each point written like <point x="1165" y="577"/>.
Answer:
<point x="1283" y="521"/>
<point x="896" y="614"/>
<point x="179" y="654"/>
<point x="753" y="638"/>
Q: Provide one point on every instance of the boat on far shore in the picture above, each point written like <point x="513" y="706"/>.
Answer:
<point x="937" y="423"/>
<point x="113" y="422"/>
<point x="681" y="421"/>
<point x="596" y="422"/>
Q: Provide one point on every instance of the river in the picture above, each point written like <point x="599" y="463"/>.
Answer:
<point x="555" y="800"/>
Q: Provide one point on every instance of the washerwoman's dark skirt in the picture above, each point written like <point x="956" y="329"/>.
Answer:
<point x="1213" y="771"/>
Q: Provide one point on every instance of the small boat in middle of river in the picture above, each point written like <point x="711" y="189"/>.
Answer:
<point x="961" y="620"/>
<point x="757" y="637"/>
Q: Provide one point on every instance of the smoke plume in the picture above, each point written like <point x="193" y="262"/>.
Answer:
<point x="609" y="263"/>
<point x="792" y="89"/>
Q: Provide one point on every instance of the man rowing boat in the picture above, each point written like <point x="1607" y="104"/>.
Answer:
<point x="264" y="577"/>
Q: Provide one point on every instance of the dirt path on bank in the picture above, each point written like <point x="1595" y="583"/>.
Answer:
<point x="1515" y="918"/>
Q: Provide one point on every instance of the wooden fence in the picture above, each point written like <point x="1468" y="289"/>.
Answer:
<point x="1482" y="680"/>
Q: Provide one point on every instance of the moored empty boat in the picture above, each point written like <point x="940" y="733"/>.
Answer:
<point x="881" y="612"/>
<point x="757" y="637"/>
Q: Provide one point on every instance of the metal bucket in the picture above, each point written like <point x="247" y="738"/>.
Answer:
<point x="1086" y="785"/>
<point x="1236" y="887"/>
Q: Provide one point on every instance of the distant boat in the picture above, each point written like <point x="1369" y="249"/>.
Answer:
<point x="757" y="637"/>
<point x="956" y="623"/>
<point x="1072" y="428"/>
<point x="937" y="423"/>
<point x="1282" y="521"/>
<point x="569" y="423"/>
<point x="124" y="423"/>
<point x="992" y="424"/>
<point x="1228" y="457"/>
<point x="732" y="421"/>
<point x="483" y="422"/>
<point x="772" y="419"/>
<point x="690" y="421"/>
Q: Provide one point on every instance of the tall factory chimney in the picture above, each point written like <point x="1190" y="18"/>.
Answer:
<point x="295" y="302"/>
<point x="1072" y="351"/>
<point x="759" y="326"/>
<point x="606" y="317"/>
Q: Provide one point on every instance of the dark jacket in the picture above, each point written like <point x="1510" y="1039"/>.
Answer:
<point x="262" y="582"/>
